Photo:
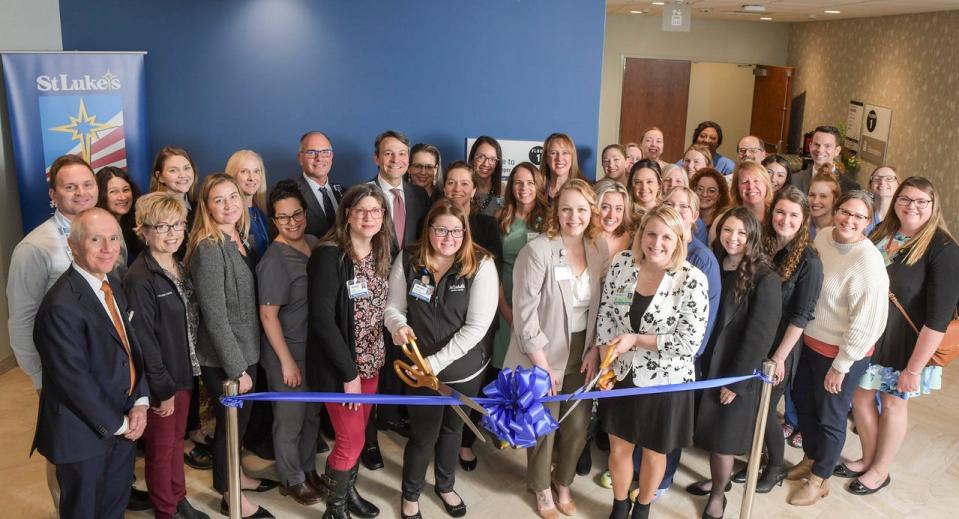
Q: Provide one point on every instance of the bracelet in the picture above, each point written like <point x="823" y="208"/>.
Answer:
<point x="911" y="372"/>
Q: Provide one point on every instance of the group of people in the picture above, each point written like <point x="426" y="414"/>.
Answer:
<point x="120" y="304"/>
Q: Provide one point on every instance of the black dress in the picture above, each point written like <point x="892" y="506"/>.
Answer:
<point x="661" y="422"/>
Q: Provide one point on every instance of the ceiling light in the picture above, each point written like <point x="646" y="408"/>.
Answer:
<point x="753" y="8"/>
<point x="765" y="18"/>
<point x="637" y="12"/>
<point x="659" y="3"/>
<point x="832" y="12"/>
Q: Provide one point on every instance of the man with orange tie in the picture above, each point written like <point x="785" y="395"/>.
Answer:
<point x="93" y="401"/>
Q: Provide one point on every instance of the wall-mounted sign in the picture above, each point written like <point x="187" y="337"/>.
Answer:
<point x="676" y="17"/>
<point x="854" y="119"/>
<point x="875" y="134"/>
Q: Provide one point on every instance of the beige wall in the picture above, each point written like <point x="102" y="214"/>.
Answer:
<point x="906" y="63"/>
<point x="712" y="41"/>
<point x="24" y="25"/>
<point x="731" y="105"/>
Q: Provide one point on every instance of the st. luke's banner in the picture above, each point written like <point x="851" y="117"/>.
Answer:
<point x="86" y="104"/>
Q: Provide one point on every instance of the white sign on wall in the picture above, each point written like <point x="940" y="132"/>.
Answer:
<point x="514" y="152"/>
<point x="854" y="119"/>
<point x="875" y="134"/>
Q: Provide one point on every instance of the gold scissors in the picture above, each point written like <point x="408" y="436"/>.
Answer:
<point x="603" y="378"/>
<point x="419" y="374"/>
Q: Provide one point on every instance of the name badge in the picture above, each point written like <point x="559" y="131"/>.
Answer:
<point x="562" y="273"/>
<point x="530" y="236"/>
<point x="422" y="291"/>
<point x="622" y="298"/>
<point x="357" y="288"/>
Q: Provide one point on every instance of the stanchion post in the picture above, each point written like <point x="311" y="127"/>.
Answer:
<point x="232" y="388"/>
<point x="755" y="454"/>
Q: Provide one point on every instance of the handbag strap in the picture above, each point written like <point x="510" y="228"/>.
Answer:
<point x="895" y="301"/>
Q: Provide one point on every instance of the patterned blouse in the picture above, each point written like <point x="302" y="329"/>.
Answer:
<point x="184" y="287"/>
<point x="677" y="315"/>
<point x="368" y="319"/>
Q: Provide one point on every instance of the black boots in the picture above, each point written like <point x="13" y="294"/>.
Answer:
<point x="620" y="509"/>
<point x="338" y="481"/>
<point x="771" y="476"/>
<point x="358" y="506"/>
<point x="640" y="511"/>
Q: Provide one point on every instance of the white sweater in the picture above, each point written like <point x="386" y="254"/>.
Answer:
<point x="854" y="302"/>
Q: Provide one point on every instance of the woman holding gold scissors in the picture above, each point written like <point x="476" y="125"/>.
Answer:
<point x="443" y="293"/>
<point x="653" y="313"/>
<point x="348" y="284"/>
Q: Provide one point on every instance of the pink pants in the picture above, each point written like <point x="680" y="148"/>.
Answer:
<point x="350" y="428"/>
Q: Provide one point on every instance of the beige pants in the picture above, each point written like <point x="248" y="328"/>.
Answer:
<point x="52" y="483"/>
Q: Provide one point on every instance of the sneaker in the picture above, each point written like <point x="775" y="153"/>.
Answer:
<point x="788" y="430"/>
<point x="606" y="480"/>
<point x="796" y="440"/>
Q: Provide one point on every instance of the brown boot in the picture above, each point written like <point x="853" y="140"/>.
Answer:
<point x="801" y="470"/>
<point x="811" y="492"/>
<point x="302" y="493"/>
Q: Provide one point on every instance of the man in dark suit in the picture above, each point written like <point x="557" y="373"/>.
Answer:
<point x="408" y="205"/>
<point x="322" y="196"/>
<point x="93" y="401"/>
<point x="824" y="148"/>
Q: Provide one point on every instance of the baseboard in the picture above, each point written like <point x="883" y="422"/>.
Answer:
<point x="7" y="363"/>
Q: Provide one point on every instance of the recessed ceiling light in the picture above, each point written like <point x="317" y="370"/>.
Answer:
<point x="659" y="3"/>
<point x="832" y="12"/>
<point x="765" y="18"/>
<point x="637" y="12"/>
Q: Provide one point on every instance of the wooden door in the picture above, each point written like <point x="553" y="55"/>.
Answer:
<point x="771" y="101"/>
<point x="655" y="93"/>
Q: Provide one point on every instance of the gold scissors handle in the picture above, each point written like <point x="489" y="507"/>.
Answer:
<point x="606" y="379"/>
<point x="419" y="374"/>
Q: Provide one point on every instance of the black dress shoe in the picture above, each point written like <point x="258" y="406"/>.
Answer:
<point x="697" y="489"/>
<point x="469" y="465"/>
<point x="400" y="426"/>
<point x="720" y="516"/>
<point x="417" y="515"/>
<point x="139" y="500"/>
<point x="740" y="475"/>
<point x="261" y="513"/>
<point x="770" y="477"/>
<point x="265" y="485"/>
<point x="842" y="471"/>
<point x="453" y="510"/>
<point x="199" y="458"/>
<point x="371" y="457"/>
<point x="857" y="488"/>
<point x="185" y="510"/>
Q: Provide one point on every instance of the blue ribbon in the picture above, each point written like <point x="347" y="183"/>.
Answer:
<point x="514" y="400"/>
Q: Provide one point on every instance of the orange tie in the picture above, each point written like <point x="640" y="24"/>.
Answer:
<point x="111" y="304"/>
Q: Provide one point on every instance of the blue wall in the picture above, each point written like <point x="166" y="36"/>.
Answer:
<point x="229" y="74"/>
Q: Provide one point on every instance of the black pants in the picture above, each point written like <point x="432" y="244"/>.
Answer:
<point x="435" y="432"/>
<point x="773" y="440"/>
<point x="469" y="437"/>
<point x="99" y="486"/>
<point x="213" y="378"/>
<point x="822" y="415"/>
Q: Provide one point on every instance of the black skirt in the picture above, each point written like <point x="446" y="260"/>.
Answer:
<point x="661" y="422"/>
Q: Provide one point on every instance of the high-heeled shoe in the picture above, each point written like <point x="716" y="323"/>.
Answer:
<point x="771" y="476"/>
<point x="620" y="509"/>
<point x="697" y="489"/>
<point x="261" y="513"/>
<point x="720" y="516"/>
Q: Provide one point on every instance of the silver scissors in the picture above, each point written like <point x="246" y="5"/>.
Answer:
<point x="603" y="378"/>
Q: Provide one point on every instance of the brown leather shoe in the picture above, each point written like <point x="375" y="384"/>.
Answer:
<point x="316" y="481"/>
<point x="811" y="492"/>
<point x="801" y="470"/>
<point x="302" y="493"/>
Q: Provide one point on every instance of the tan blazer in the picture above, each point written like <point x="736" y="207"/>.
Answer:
<point x="542" y="306"/>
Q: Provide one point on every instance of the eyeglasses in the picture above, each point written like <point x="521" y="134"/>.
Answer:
<point x="861" y="218"/>
<point x="325" y="153"/>
<point x="442" y="232"/>
<point x="284" y="219"/>
<point x="375" y="214"/>
<point x="427" y="167"/>
<point x="884" y="180"/>
<point x="164" y="228"/>
<point x="743" y="151"/>
<point x="678" y="207"/>
<point x="479" y="158"/>
<point x="707" y="190"/>
<point x="905" y="201"/>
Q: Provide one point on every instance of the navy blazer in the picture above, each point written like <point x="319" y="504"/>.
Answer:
<point x="85" y="373"/>
<point x="316" y="222"/>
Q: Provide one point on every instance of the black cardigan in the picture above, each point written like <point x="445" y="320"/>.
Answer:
<point x="928" y="291"/>
<point x="160" y="325"/>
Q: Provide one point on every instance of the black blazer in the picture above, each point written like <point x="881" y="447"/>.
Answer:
<point x="330" y="343"/>
<point x="738" y="345"/>
<point x="316" y="222"/>
<point x="417" y="205"/>
<point x="85" y="372"/>
<point x="161" y="327"/>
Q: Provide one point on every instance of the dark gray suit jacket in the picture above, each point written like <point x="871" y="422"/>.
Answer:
<point x="316" y="222"/>
<point x="803" y="178"/>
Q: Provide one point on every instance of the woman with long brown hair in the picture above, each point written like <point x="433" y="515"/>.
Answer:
<point x="559" y="163"/>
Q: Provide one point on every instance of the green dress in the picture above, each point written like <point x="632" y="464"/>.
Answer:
<point x="513" y="241"/>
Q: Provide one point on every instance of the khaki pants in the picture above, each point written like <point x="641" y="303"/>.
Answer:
<point x="52" y="482"/>
<point x="568" y="441"/>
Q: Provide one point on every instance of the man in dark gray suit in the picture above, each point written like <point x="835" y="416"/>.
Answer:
<point x="322" y="196"/>
<point x="824" y="149"/>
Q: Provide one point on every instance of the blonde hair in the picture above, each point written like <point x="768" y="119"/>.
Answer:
<point x="204" y="226"/>
<point x="750" y="166"/>
<point x="469" y="254"/>
<point x="154" y="207"/>
<point x="582" y="187"/>
<point x="608" y="185"/>
<point x="233" y="168"/>
<point x="674" y="222"/>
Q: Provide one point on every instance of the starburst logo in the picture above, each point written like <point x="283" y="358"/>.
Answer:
<point x="84" y="128"/>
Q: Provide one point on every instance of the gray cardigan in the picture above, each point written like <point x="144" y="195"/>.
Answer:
<point x="229" y="331"/>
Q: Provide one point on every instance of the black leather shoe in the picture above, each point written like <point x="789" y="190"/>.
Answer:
<point x="317" y="482"/>
<point x="371" y="457"/>
<point x="770" y="477"/>
<point x="199" y="458"/>
<point x="842" y="471"/>
<point x="417" y="515"/>
<point x="400" y="426"/>
<point x="265" y="485"/>
<point x="185" y="510"/>
<point x="740" y="475"/>
<point x="697" y="489"/>
<point x="261" y="513"/>
<point x="453" y="510"/>
<point x="469" y="465"/>
<point x="139" y="500"/>
<point x="720" y="516"/>
<point x="857" y="488"/>
<point x="321" y="445"/>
